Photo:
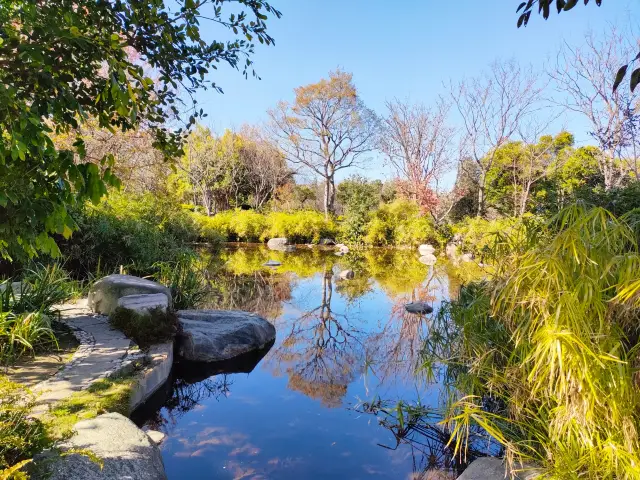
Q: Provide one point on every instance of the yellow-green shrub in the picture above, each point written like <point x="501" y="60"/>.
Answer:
<point x="400" y="223"/>
<point x="304" y="226"/>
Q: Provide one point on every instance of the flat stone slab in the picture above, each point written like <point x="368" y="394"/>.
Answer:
<point x="155" y="374"/>
<point x="145" y="302"/>
<point x="126" y="452"/>
<point x="103" y="352"/>
<point x="105" y="293"/>
<point x="216" y="335"/>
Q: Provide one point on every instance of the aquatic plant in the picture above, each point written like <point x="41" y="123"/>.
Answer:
<point x="544" y="356"/>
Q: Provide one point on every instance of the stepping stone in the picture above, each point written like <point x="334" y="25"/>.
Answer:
<point x="426" y="250"/>
<point x="105" y="293"/>
<point x="272" y="263"/>
<point x="144" y="303"/>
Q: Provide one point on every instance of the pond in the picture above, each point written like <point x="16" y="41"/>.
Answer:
<point x="312" y="406"/>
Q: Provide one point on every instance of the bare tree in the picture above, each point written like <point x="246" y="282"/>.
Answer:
<point x="492" y="108"/>
<point x="266" y="166"/>
<point x="585" y="78"/>
<point x="326" y="129"/>
<point x="416" y="142"/>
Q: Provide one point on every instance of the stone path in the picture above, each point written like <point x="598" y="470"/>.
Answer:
<point x="103" y="352"/>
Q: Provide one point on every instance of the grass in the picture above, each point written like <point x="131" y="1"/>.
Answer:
<point x="146" y="329"/>
<point x="106" y="395"/>
<point x="544" y="356"/>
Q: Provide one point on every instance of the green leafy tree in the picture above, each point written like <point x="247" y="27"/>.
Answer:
<point x="358" y="197"/>
<point x="65" y="61"/>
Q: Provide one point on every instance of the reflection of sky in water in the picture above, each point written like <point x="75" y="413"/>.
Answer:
<point x="339" y="342"/>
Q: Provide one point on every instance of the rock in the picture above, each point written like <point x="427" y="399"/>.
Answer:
<point x="342" y="248"/>
<point x="426" y="250"/>
<point x="346" y="275"/>
<point x="339" y="254"/>
<point x="105" y="293"/>
<point x="215" y="335"/>
<point x="418" y="307"/>
<point x="326" y="242"/>
<point x="272" y="263"/>
<point x="278" y="243"/>
<point x="127" y="452"/>
<point x="156" y="436"/>
<point x="451" y="250"/>
<point x="429" y="259"/>
<point x="144" y="303"/>
<point x="490" y="468"/>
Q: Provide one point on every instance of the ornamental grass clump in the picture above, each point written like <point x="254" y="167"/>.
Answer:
<point x="545" y="356"/>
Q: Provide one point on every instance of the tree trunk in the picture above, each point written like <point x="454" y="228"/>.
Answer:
<point x="481" y="193"/>
<point x="329" y="197"/>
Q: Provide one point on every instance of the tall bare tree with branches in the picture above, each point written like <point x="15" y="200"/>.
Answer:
<point x="416" y="142"/>
<point x="492" y="107"/>
<point x="584" y="78"/>
<point x="328" y="128"/>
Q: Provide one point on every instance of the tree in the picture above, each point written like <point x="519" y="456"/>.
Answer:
<point x="327" y="129"/>
<point x="358" y="197"/>
<point x="493" y="107"/>
<point x="416" y="142"/>
<point x="266" y="166"/>
<point x="209" y="165"/>
<point x="585" y="76"/>
<point x="519" y="166"/>
<point x="64" y="61"/>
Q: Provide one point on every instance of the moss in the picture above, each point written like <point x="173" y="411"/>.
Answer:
<point x="106" y="395"/>
<point x="146" y="329"/>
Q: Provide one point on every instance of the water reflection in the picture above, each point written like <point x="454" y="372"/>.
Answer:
<point x="313" y="408"/>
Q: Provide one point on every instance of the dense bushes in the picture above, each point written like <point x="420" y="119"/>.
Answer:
<point x="305" y="226"/>
<point x="400" y="223"/>
<point x="128" y="230"/>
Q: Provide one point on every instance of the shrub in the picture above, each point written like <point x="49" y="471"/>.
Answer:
<point x="400" y="223"/>
<point x="21" y="436"/>
<point x="304" y="226"/>
<point x="124" y="230"/>
<point x="544" y="357"/>
<point x="146" y="329"/>
<point x="22" y="333"/>
<point x="42" y="287"/>
<point x="185" y="278"/>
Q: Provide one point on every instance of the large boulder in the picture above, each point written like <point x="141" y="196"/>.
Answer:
<point x="145" y="303"/>
<point x="216" y="335"/>
<point x="278" y="244"/>
<point x="105" y="293"/>
<point x="426" y="250"/>
<point x="126" y="452"/>
<point x="490" y="468"/>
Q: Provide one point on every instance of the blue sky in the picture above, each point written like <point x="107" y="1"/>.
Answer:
<point x="406" y="51"/>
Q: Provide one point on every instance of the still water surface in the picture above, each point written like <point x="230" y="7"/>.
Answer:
<point x="304" y="410"/>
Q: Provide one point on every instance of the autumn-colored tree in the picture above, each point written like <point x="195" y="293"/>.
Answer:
<point x="416" y="142"/>
<point x="327" y="129"/>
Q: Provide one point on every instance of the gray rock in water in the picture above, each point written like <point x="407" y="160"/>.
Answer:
<point x="272" y="263"/>
<point x="451" y="250"/>
<point x="144" y="303"/>
<point x="466" y="257"/>
<point x="127" y="452"/>
<point x="346" y="275"/>
<point x="105" y="293"/>
<point x="278" y="243"/>
<point x="215" y="335"/>
<point x="426" y="250"/>
<point x="489" y="468"/>
<point x="429" y="259"/>
<point x="418" y="307"/>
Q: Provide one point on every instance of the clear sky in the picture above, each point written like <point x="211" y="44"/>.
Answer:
<point x="403" y="49"/>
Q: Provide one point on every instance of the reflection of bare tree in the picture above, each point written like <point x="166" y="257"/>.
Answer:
<point x="184" y="397"/>
<point x="322" y="353"/>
